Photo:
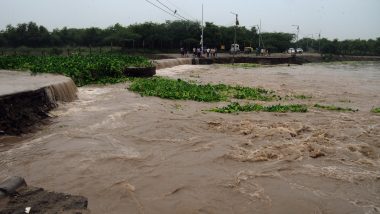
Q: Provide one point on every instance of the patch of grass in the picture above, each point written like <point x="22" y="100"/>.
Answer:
<point x="182" y="90"/>
<point x="302" y="96"/>
<point x="335" y="108"/>
<point x="376" y="110"/>
<point x="243" y="65"/>
<point x="195" y="76"/>
<point x="113" y="80"/>
<point x="178" y="106"/>
<point x="345" y="101"/>
<point x="236" y="107"/>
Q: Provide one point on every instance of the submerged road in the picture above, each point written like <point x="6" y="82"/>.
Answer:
<point x="12" y="82"/>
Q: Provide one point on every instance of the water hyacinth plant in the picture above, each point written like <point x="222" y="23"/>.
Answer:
<point x="334" y="108"/>
<point x="83" y="69"/>
<point x="236" y="107"/>
<point x="182" y="90"/>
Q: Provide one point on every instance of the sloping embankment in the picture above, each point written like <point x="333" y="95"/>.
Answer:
<point x="26" y="100"/>
<point x="267" y="60"/>
<point x="168" y="63"/>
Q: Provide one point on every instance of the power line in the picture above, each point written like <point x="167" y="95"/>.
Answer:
<point x="164" y="10"/>
<point x="175" y="12"/>
<point x="179" y="9"/>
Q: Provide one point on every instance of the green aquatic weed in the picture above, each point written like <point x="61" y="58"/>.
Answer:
<point x="236" y="107"/>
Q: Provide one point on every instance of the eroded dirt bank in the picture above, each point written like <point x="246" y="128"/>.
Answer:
<point x="132" y="154"/>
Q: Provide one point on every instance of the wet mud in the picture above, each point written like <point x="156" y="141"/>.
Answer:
<point x="133" y="154"/>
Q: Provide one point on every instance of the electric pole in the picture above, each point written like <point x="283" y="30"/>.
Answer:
<point x="298" y="31"/>
<point x="260" y="39"/>
<point x="202" y="31"/>
<point x="319" y="42"/>
<point x="259" y="32"/>
<point x="234" y="45"/>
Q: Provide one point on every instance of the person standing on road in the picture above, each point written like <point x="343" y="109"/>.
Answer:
<point x="182" y="52"/>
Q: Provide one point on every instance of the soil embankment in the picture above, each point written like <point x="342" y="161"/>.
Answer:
<point x="25" y="99"/>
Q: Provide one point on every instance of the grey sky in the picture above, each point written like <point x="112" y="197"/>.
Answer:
<point x="342" y="19"/>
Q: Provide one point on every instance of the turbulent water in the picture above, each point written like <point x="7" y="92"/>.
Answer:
<point x="132" y="154"/>
<point x="168" y="63"/>
<point x="59" y="88"/>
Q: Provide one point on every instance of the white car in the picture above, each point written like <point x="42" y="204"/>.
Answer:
<point x="299" y="50"/>
<point x="291" y="51"/>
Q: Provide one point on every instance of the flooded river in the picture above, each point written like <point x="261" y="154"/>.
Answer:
<point x="133" y="154"/>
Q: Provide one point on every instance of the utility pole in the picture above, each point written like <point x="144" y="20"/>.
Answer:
<point x="259" y="32"/>
<point x="319" y="42"/>
<point x="202" y="31"/>
<point x="234" y="45"/>
<point x="260" y="37"/>
<point x="258" y="28"/>
<point x="298" y="31"/>
<point x="307" y="37"/>
<point x="312" y="40"/>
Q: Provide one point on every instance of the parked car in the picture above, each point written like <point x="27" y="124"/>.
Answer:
<point x="235" y="49"/>
<point x="299" y="50"/>
<point x="291" y="51"/>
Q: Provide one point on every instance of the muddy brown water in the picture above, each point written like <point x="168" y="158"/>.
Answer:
<point x="133" y="154"/>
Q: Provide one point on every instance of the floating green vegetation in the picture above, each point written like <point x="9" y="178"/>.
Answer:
<point x="182" y="90"/>
<point x="335" y="108"/>
<point x="243" y="65"/>
<point x="83" y="69"/>
<point x="236" y="107"/>
<point x="178" y="106"/>
<point x="302" y="96"/>
<point x="345" y="101"/>
<point x="376" y="110"/>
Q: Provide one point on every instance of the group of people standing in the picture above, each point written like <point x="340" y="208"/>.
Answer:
<point x="198" y="52"/>
<point x="211" y="52"/>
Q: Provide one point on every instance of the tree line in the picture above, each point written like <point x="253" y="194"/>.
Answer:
<point x="345" y="47"/>
<point x="172" y="35"/>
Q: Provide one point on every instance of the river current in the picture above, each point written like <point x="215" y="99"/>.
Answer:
<point x="133" y="154"/>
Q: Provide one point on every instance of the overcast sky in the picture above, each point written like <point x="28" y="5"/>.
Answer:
<point x="342" y="19"/>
